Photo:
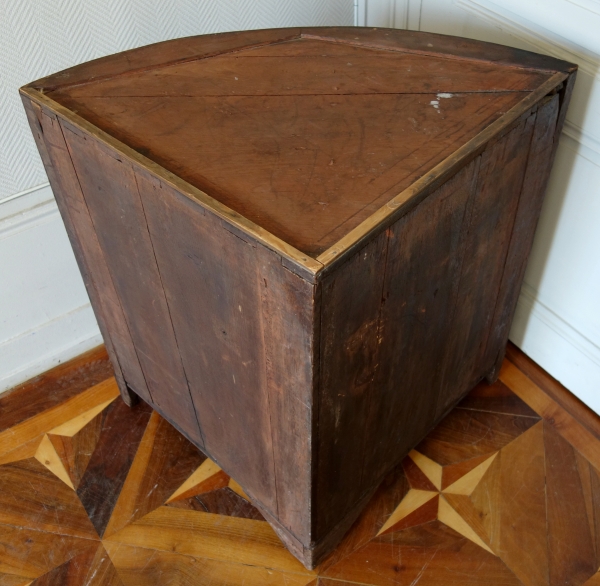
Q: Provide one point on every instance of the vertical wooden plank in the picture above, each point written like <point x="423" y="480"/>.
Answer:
<point x="425" y="254"/>
<point x="210" y="279"/>
<point x="488" y="231"/>
<point x="528" y="213"/>
<point x="90" y="259"/>
<point x="111" y="194"/>
<point x="290" y="311"/>
<point x="351" y="299"/>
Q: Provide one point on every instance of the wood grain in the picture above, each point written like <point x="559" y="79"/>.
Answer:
<point x="206" y="270"/>
<point x="534" y="501"/>
<point x="154" y="474"/>
<point x="109" y="465"/>
<point x="304" y="248"/>
<point x="34" y="427"/>
<point x="54" y="387"/>
<point x="100" y="287"/>
<point x="571" y="551"/>
<point x="564" y="423"/>
<point x="111" y="185"/>
<point x="229" y="539"/>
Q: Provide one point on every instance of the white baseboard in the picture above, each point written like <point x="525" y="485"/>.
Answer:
<point x="36" y="351"/>
<point x="45" y="315"/>
<point x="558" y="348"/>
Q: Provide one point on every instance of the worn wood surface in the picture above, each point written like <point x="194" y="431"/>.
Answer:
<point x="309" y="160"/>
<point x="489" y="497"/>
<point x="304" y="247"/>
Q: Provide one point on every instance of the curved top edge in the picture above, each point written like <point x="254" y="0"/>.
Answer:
<point x="203" y="46"/>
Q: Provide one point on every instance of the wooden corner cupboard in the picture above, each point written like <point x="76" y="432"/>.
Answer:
<point x="303" y="246"/>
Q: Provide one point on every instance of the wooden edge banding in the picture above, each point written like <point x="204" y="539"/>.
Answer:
<point x="293" y="259"/>
<point x="413" y="195"/>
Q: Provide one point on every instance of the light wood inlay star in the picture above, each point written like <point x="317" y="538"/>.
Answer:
<point x="417" y="499"/>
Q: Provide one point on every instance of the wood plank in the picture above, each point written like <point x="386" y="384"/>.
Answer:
<point x="99" y="285"/>
<point x="571" y="547"/>
<point x="418" y="298"/>
<point x="227" y="539"/>
<point x="36" y="426"/>
<point x="210" y="276"/>
<point x="563" y="422"/>
<point x="162" y="462"/>
<point x="290" y="316"/>
<point x="109" y="185"/>
<point x="430" y="554"/>
<point x="221" y="501"/>
<point x="103" y="479"/>
<point x="410" y="197"/>
<point x="139" y="567"/>
<point x="463" y="435"/>
<point x="489" y="228"/>
<point x="32" y="496"/>
<point x="496" y="398"/>
<point x="522" y="538"/>
<point x="71" y="573"/>
<point x="28" y="553"/>
<point x="312" y="67"/>
<point x="54" y="387"/>
<point x="76" y="451"/>
<point x="349" y="359"/>
<point x="201" y="47"/>
<point x="528" y="212"/>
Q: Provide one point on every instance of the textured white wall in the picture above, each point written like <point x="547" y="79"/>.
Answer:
<point x="558" y="316"/>
<point x="45" y="316"/>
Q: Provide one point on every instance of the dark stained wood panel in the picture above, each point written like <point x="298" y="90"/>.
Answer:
<point x="205" y="270"/>
<point x="530" y="204"/>
<point x="308" y="168"/>
<point x="107" y="469"/>
<point x="349" y="360"/>
<point x="65" y="184"/>
<point x="290" y="325"/>
<point x="419" y="296"/>
<point x="489" y="228"/>
<point x="112" y="186"/>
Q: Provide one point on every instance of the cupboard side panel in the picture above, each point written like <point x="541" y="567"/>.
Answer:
<point x="527" y="216"/>
<point x="489" y="229"/>
<point x="290" y="308"/>
<point x="69" y="198"/>
<point x="351" y="299"/>
<point x="111" y="194"/>
<point x="420" y="293"/>
<point x="210" y="279"/>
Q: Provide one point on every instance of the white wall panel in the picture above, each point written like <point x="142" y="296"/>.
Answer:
<point x="45" y="316"/>
<point x="558" y="317"/>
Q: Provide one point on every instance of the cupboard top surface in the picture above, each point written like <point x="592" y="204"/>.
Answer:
<point x="304" y="134"/>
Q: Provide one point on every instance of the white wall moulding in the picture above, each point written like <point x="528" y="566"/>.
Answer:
<point x="45" y="315"/>
<point x="544" y="336"/>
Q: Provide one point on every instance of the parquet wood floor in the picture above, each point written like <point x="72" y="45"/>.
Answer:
<point x="505" y="491"/>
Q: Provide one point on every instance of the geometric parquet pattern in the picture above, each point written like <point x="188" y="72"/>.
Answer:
<point x="505" y="491"/>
